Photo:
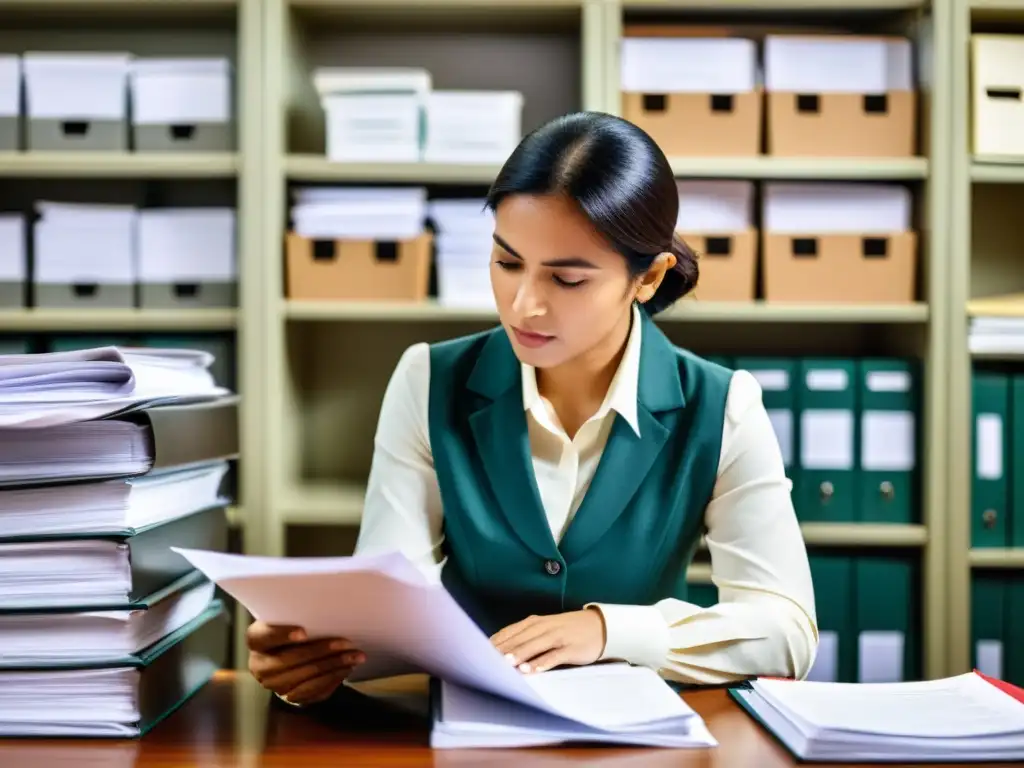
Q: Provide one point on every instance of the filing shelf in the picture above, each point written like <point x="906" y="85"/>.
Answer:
<point x="783" y="168"/>
<point x="118" y="165"/>
<point x="986" y="280"/>
<point x="138" y="320"/>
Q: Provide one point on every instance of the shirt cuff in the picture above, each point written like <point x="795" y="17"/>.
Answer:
<point x="634" y="633"/>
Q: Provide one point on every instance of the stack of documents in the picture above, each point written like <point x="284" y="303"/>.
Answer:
<point x="968" y="718"/>
<point x="85" y="254"/>
<point x="176" y="101"/>
<point x="464" y="242"/>
<point x="472" y="126"/>
<point x="404" y="623"/>
<point x="996" y="335"/>
<point x="373" y="115"/>
<point x="187" y="256"/>
<point x="13" y="260"/>
<point x="360" y="213"/>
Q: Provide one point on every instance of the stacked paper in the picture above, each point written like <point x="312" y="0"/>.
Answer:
<point x="360" y="213"/>
<point x="860" y="209"/>
<point x="76" y="86"/>
<point x="472" y="126"/>
<point x="464" y="231"/>
<point x="187" y="246"/>
<point x="996" y="335"/>
<point x="718" y="65"/>
<point x="373" y="115"/>
<point x="839" y="64"/>
<point x="183" y="91"/>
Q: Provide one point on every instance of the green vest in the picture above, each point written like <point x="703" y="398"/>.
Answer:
<point x="636" y="530"/>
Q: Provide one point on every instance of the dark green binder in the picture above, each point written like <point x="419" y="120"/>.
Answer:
<point x="888" y="608"/>
<point x="833" y="578"/>
<point x="1014" y="647"/>
<point x="889" y="441"/>
<point x="1015" y="515"/>
<point x="778" y="378"/>
<point x="990" y="493"/>
<point x="990" y="644"/>
<point x="826" y="488"/>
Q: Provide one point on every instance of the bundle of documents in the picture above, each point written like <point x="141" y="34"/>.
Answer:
<point x="404" y="623"/>
<point x="180" y="91"/>
<point x="186" y="246"/>
<point x="472" y="126"/>
<point x="996" y="335"/>
<point x="107" y="507"/>
<point x="66" y="86"/>
<point x="464" y="243"/>
<point x="373" y="115"/>
<point x="360" y="213"/>
<point x="967" y="718"/>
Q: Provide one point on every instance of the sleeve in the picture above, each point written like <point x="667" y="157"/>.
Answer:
<point x="402" y="510"/>
<point x="765" y="621"/>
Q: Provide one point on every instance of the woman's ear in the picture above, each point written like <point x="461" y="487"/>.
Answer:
<point x="648" y="282"/>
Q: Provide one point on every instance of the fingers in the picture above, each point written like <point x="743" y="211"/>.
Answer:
<point x="263" y="637"/>
<point x="503" y="636"/>
<point x="319" y="688"/>
<point x="549" y="660"/>
<point x="303" y="653"/>
<point x="289" y="679"/>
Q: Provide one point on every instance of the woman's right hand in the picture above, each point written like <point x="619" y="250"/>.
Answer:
<point x="299" y="670"/>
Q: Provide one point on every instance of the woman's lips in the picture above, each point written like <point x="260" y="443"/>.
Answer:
<point x="531" y="340"/>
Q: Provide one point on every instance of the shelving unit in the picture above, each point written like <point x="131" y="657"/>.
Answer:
<point x="986" y="236"/>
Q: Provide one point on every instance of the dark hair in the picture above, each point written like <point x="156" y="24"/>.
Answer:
<point x="620" y="179"/>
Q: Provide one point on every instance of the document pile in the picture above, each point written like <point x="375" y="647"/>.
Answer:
<point x="967" y="718"/>
<point x="464" y="243"/>
<point x="108" y="457"/>
<point x="997" y="335"/>
<point x="406" y="624"/>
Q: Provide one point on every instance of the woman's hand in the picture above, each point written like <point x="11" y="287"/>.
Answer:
<point x="538" y="643"/>
<point x="299" y="670"/>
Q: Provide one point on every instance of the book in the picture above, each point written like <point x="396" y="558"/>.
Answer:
<point x="965" y="718"/>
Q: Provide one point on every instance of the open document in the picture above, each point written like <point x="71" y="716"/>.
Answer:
<point x="406" y="624"/>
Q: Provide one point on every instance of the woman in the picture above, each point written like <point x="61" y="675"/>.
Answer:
<point x="556" y="473"/>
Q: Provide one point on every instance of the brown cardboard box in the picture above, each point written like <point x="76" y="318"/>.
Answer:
<point x="840" y="268"/>
<point x="698" y="124"/>
<point x="727" y="263"/>
<point x="842" y="124"/>
<point x="358" y="269"/>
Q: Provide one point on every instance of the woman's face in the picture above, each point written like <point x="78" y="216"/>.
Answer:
<point x="560" y="289"/>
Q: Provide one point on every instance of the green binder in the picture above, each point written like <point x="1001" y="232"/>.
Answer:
<point x="826" y="487"/>
<point x="1014" y="659"/>
<point x="989" y="642"/>
<point x="1015" y="521"/>
<point x="887" y="618"/>
<point x="14" y="345"/>
<point x="990" y="493"/>
<point x="778" y="379"/>
<point x="889" y="438"/>
<point x="836" y="660"/>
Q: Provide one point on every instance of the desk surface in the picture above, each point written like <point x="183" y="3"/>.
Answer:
<point x="232" y="722"/>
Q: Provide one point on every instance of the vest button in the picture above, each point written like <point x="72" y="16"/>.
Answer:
<point x="553" y="567"/>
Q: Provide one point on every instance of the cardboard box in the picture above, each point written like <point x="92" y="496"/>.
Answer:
<point x="997" y="95"/>
<point x="727" y="264"/>
<point x="842" y="124"/>
<point x="203" y="137"/>
<point x="699" y="124"/>
<point x="358" y="269"/>
<point x="840" y="268"/>
<point x="84" y="296"/>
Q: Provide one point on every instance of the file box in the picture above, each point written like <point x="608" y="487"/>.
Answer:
<point x="13" y="261"/>
<point x="76" y="102"/>
<point x="997" y="90"/>
<point x="727" y="263"/>
<point x="10" y="103"/>
<point x="84" y="295"/>
<point x="358" y="269"/>
<point x="186" y="295"/>
<point x="693" y="96"/>
<point x="184" y="137"/>
<point x="839" y="96"/>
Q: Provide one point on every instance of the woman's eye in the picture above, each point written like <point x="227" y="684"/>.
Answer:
<point x="568" y="283"/>
<point x="507" y="265"/>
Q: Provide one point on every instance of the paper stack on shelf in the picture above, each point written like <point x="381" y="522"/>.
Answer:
<point x="472" y="126"/>
<point x="373" y="115"/>
<point x="968" y="718"/>
<point x="464" y="242"/>
<point x="108" y="458"/>
<point x="359" y="213"/>
<point x="996" y="335"/>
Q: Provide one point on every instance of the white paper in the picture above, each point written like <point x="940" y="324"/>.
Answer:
<point x="782" y="423"/>
<point x="827" y="380"/>
<point x="837" y="64"/>
<point x="390" y="609"/>
<point x="989" y="448"/>
<point x="989" y="655"/>
<point x="69" y="86"/>
<point x="695" y="65"/>
<point x="880" y="657"/>
<point x="836" y="207"/>
<point x="180" y="91"/>
<point x="826" y="439"/>
<point x="715" y="207"/>
<point x="887" y="441"/>
<point x="186" y="244"/>
<point x="887" y="381"/>
<point x="826" y="663"/>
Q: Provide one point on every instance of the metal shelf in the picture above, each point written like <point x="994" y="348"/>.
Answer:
<point x="140" y="320"/>
<point x="766" y="167"/>
<point x="318" y="168"/>
<point x="119" y="165"/>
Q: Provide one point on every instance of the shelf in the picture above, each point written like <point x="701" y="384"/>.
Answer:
<point x="323" y="504"/>
<point x="119" y="165"/>
<point x="997" y="306"/>
<point x="982" y="557"/>
<point x="317" y="168"/>
<point x="864" y="535"/>
<point x="852" y="168"/>
<point x="140" y="320"/>
<point x="692" y="311"/>
<point x="823" y="6"/>
<point x="998" y="170"/>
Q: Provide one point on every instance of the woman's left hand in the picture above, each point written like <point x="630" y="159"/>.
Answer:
<point x="538" y="643"/>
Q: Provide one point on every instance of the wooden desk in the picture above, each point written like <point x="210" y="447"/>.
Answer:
<point x="232" y="722"/>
